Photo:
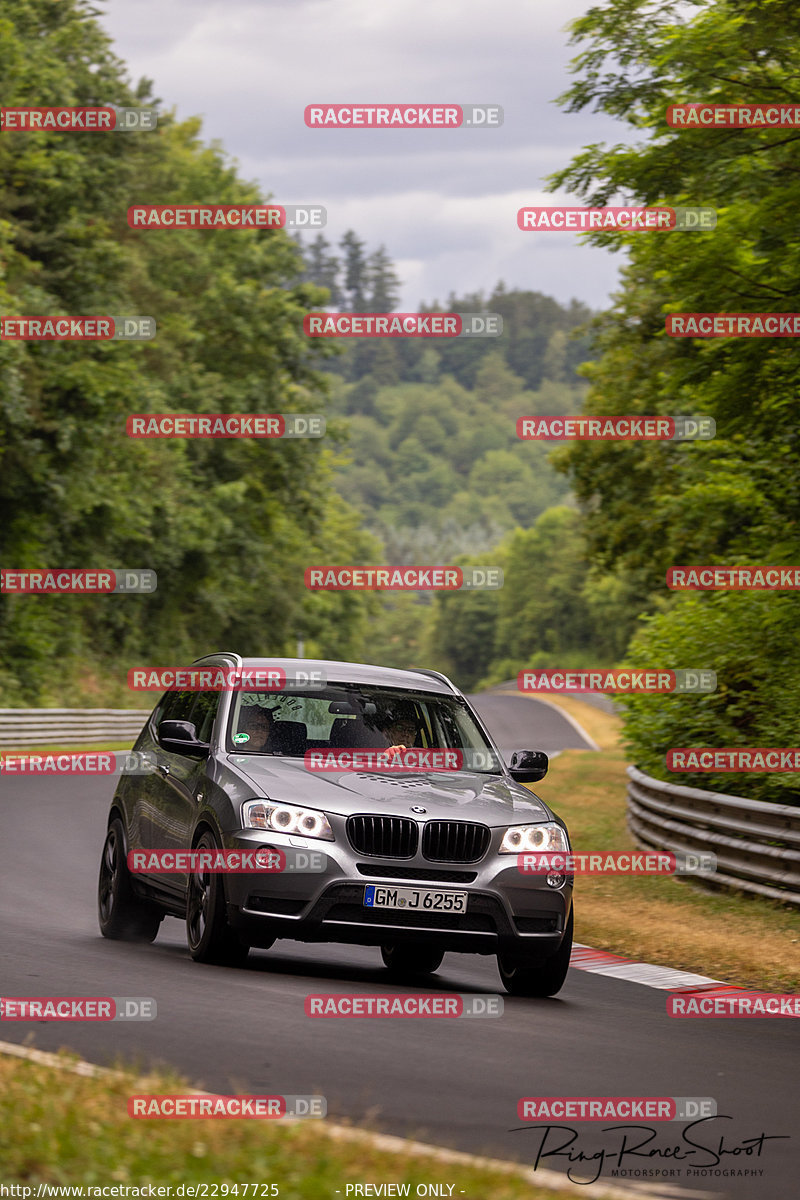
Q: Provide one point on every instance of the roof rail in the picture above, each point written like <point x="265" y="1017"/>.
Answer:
<point x="221" y="654"/>
<point x="435" y="675"/>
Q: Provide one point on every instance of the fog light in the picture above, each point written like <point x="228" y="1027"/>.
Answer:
<point x="554" y="880"/>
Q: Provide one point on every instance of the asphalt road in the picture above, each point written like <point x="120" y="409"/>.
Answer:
<point x="453" y="1083"/>
<point x="514" y="727"/>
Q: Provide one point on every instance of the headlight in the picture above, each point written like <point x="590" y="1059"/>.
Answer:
<point x="286" y="818"/>
<point x="521" y="839"/>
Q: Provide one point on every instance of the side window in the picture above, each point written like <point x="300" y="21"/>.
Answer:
<point x="157" y="714"/>
<point x="204" y="713"/>
<point x="178" y="706"/>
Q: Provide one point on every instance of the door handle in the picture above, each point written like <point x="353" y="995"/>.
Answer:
<point x="163" y="768"/>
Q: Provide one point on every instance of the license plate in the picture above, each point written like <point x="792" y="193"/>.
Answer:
<point x="414" y="899"/>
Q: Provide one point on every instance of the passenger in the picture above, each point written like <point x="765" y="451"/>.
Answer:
<point x="257" y="723"/>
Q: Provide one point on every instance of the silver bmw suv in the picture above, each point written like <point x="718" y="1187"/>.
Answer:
<point x="347" y="803"/>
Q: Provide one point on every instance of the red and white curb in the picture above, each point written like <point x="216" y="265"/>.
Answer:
<point x="666" y="979"/>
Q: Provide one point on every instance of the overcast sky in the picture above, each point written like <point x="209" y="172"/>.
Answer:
<point x="443" y="203"/>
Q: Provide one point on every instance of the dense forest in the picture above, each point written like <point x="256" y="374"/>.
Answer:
<point x="229" y="526"/>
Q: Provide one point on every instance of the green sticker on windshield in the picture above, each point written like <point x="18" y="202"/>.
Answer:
<point x="241" y="737"/>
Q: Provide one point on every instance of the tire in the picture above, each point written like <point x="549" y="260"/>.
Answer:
<point x="208" y="934"/>
<point x="122" y="915"/>
<point x="545" y="979"/>
<point x="403" y="961"/>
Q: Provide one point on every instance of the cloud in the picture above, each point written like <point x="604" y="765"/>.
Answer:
<point x="443" y="202"/>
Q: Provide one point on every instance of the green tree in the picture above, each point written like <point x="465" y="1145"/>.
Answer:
<point x="652" y="504"/>
<point x="355" y="282"/>
<point x="750" y="641"/>
<point x="462" y="632"/>
<point x="322" y="268"/>
<point x="736" y="498"/>
<point x="228" y="526"/>
<point x="382" y="283"/>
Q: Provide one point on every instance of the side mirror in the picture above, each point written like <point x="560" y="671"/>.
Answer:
<point x="181" y="738"/>
<point x="528" y="766"/>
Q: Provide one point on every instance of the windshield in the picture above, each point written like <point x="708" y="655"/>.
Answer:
<point x="355" y="716"/>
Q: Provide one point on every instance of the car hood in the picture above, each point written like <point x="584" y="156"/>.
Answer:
<point x="462" y="795"/>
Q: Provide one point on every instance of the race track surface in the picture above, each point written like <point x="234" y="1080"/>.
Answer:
<point x="451" y="1082"/>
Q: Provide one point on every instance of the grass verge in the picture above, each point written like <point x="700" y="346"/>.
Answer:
<point x="743" y="940"/>
<point x="60" y="1127"/>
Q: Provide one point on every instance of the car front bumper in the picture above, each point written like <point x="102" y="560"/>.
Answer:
<point x="507" y="911"/>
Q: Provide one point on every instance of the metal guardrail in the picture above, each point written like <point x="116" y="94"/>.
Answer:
<point x="757" y="844"/>
<point x="70" y="726"/>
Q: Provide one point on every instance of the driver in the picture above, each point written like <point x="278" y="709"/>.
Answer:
<point x="400" y="728"/>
